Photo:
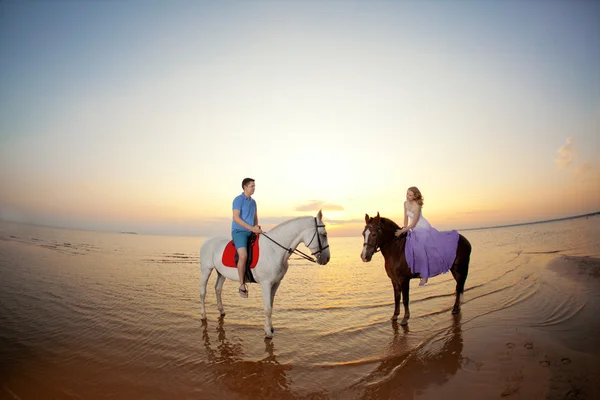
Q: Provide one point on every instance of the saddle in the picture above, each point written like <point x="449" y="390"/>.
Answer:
<point x="230" y="257"/>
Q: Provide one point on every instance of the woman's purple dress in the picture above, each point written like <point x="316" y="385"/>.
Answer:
<point x="428" y="251"/>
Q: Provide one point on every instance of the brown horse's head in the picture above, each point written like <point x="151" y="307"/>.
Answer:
<point x="371" y="235"/>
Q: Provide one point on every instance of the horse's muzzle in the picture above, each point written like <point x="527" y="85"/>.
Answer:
<point x="323" y="258"/>
<point x="366" y="255"/>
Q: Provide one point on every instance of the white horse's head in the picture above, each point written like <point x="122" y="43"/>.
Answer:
<point x="316" y="240"/>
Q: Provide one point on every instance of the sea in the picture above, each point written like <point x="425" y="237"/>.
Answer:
<point x="105" y="315"/>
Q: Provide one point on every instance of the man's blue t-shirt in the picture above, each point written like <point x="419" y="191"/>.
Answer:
<point x="247" y="207"/>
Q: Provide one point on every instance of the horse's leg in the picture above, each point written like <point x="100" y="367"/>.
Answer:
<point x="205" y="271"/>
<point x="274" y="288"/>
<point x="266" y="288"/>
<point x="460" y="270"/>
<point x="405" y="288"/>
<point x="459" y="274"/>
<point x="275" y="285"/>
<point x="273" y="291"/>
<point x="396" y="286"/>
<point x="218" y="289"/>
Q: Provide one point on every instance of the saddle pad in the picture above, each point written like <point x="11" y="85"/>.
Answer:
<point x="229" y="255"/>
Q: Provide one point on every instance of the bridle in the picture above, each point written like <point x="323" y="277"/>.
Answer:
<point x="302" y="254"/>
<point x="378" y="231"/>
<point x="376" y="245"/>
<point x="321" y="248"/>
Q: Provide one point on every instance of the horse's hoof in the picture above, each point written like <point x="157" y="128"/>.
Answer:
<point x="394" y="317"/>
<point x="222" y="314"/>
<point x="455" y="311"/>
<point x="404" y="322"/>
<point x="272" y="330"/>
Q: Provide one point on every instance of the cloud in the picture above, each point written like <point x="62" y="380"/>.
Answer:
<point x="566" y="154"/>
<point x="580" y="171"/>
<point x="316" y="205"/>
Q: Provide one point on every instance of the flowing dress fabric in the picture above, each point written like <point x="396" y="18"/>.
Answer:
<point x="428" y="251"/>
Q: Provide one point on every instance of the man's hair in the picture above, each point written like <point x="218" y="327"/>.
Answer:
<point x="246" y="181"/>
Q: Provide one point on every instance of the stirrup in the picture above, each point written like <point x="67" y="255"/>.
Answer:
<point x="243" y="293"/>
<point x="423" y="281"/>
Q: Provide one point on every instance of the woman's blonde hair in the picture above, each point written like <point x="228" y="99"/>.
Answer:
<point x="418" y="196"/>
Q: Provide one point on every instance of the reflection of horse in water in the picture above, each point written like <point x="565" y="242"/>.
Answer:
<point x="262" y="379"/>
<point x="413" y="370"/>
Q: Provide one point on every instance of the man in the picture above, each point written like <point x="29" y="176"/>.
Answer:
<point x="245" y="221"/>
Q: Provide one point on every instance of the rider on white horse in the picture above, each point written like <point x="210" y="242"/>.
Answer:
<point x="271" y="263"/>
<point x="245" y="222"/>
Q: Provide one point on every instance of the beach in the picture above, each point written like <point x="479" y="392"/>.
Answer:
<point x="99" y="315"/>
<point x="553" y="359"/>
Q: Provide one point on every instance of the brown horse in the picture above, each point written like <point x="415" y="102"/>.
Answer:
<point x="379" y="234"/>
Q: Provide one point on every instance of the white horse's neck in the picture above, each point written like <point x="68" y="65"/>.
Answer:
<point x="289" y="233"/>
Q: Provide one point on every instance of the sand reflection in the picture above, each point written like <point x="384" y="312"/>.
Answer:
<point x="406" y="372"/>
<point x="265" y="378"/>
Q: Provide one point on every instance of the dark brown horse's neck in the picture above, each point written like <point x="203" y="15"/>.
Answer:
<point x="391" y="243"/>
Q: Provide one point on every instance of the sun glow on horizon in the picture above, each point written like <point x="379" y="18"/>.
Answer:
<point x="153" y="127"/>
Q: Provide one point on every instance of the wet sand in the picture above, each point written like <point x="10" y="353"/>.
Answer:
<point x="524" y="362"/>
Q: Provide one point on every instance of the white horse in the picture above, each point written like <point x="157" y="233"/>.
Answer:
<point x="276" y="247"/>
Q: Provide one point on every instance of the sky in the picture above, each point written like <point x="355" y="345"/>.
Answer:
<point x="145" y="116"/>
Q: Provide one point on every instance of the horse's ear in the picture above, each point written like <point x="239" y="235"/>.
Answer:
<point x="367" y="218"/>
<point x="320" y="216"/>
<point x="377" y="215"/>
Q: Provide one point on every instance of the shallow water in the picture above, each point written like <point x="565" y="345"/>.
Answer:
<point x="106" y="315"/>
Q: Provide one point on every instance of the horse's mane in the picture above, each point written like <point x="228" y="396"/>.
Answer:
<point x="387" y="223"/>
<point x="289" y="221"/>
<point x="389" y="228"/>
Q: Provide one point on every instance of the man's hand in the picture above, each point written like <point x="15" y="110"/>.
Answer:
<point x="256" y="229"/>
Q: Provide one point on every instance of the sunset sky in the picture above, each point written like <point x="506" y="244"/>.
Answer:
<point x="146" y="115"/>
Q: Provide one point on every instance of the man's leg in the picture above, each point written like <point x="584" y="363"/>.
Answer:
<point x="241" y="264"/>
<point x="240" y="239"/>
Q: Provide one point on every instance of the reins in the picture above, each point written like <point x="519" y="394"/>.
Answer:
<point x="377" y="247"/>
<point x="299" y="252"/>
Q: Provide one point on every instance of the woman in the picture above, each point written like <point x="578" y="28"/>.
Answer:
<point x="428" y="251"/>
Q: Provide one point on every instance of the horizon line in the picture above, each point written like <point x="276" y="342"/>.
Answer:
<point x="532" y="222"/>
<point x="197" y="235"/>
